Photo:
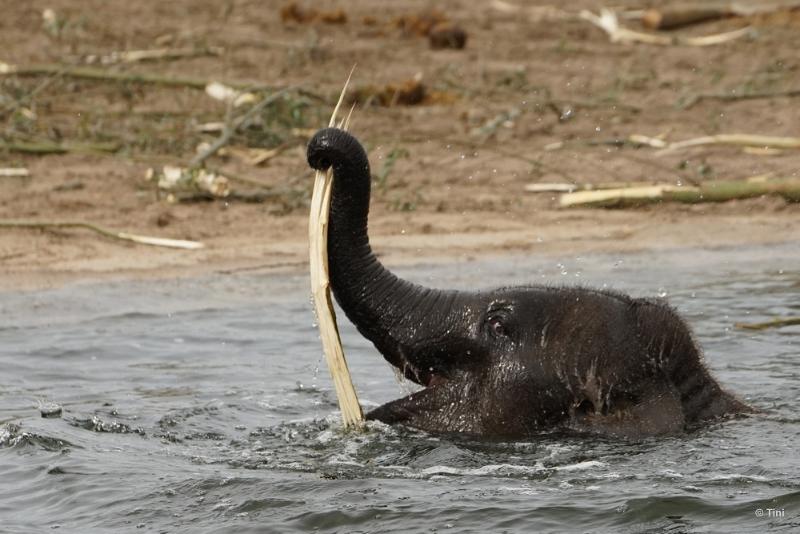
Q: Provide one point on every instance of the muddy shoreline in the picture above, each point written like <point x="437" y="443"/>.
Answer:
<point x="450" y="170"/>
<point x="558" y="235"/>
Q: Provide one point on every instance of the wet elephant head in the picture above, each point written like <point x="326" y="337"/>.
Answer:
<point x="514" y="361"/>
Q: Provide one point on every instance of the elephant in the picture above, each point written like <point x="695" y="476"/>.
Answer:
<point x="516" y="361"/>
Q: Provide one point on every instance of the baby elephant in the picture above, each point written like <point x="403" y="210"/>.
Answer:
<point x="514" y="361"/>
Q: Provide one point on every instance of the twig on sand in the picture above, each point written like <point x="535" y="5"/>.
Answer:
<point x="745" y="140"/>
<point x="352" y="415"/>
<point x="124" y="236"/>
<point x="14" y="172"/>
<point x="45" y="147"/>
<point x="533" y="13"/>
<point x="609" y="23"/>
<point x="105" y="75"/>
<point x="565" y="187"/>
<point x="135" y="56"/>
<point x="774" y="323"/>
<point x="671" y="17"/>
<point x="714" y="191"/>
<point x="667" y="17"/>
<point x="732" y="96"/>
<point x="748" y="141"/>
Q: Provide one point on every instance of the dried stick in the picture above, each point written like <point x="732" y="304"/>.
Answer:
<point x="775" y="323"/>
<point x="56" y="148"/>
<point x="124" y="236"/>
<point x="232" y="126"/>
<point x="690" y="101"/>
<point x="716" y="191"/>
<point x="608" y="22"/>
<point x="534" y="13"/>
<point x="103" y="75"/>
<point x="565" y="187"/>
<point x="352" y="415"/>
<point x="671" y="17"/>
<point x="91" y="73"/>
<point x="746" y="140"/>
<point x="14" y="172"/>
<point x="134" y="56"/>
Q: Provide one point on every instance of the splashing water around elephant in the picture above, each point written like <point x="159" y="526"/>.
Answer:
<point x="191" y="406"/>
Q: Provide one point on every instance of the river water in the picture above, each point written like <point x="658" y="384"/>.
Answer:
<point x="204" y="405"/>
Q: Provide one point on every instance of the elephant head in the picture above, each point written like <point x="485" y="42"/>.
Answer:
<point x="513" y="361"/>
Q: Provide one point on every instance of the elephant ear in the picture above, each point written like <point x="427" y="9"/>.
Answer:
<point x="445" y="407"/>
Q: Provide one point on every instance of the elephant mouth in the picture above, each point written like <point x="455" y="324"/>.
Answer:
<point x="425" y="377"/>
<point x="434" y="379"/>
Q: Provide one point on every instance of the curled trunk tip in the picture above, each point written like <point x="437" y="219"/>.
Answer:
<point x="332" y="147"/>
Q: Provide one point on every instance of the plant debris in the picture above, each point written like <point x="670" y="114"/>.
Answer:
<point x="774" y="323"/>
<point x="292" y="12"/>
<point x="411" y="92"/>
<point x="136" y="56"/>
<point x="122" y="236"/>
<point x="174" y="180"/>
<point x="14" y="172"/>
<point x="713" y="191"/>
<point x="436" y="26"/>
<point x="608" y="22"/>
<point x="406" y="93"/>
<point x="420" y="24"/>
<point x="669" y="17"/>
<point x="447" y="35"/>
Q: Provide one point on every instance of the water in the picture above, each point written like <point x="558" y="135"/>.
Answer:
<point x="204" y="406"/>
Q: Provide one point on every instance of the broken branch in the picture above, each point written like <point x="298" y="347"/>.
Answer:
<point x="667" y="18"/>
<point x="135" y="56"/>
<point x="715" y="191"/>
<point x="732" y="96"/>
<point x="565" y="187"/>
<point x="97" y="74"/>
<point x="56" y="148"/>
<point x="608" y="22"/>
<point x="14" y="172"/>
<point x="746" y="140"/>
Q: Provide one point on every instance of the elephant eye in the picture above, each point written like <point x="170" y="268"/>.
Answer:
<point x="496" y="326"/>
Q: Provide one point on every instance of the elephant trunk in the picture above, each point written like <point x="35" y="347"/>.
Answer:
<point x="386" y="309"/>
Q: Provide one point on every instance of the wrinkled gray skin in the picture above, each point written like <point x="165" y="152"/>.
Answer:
<point x="514" y="361"/>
